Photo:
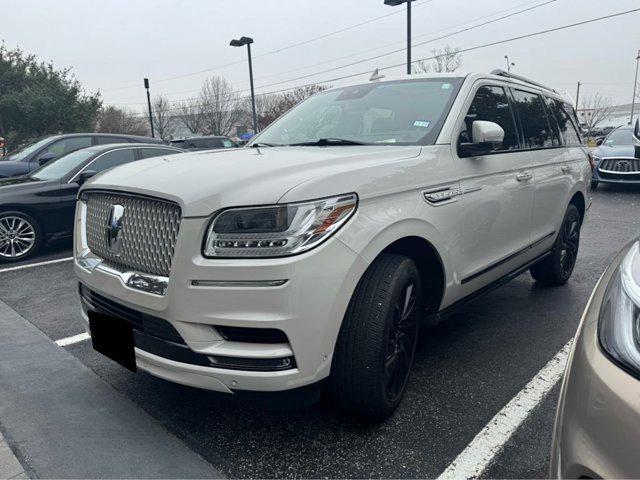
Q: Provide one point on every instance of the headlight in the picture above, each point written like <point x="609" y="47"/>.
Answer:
<point x="277" y="230"/>
<point x="619" y="322"/>
<point x="596" y="158"/>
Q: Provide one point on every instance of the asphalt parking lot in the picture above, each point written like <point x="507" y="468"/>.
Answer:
<point x="466" y="370"/>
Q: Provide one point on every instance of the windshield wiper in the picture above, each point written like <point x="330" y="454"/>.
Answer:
<point x="263" y="144"/>
<point x="325" y="142"/>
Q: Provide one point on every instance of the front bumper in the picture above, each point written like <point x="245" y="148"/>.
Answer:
<point x="308" y="308"/>
<point x="597" y="429"/>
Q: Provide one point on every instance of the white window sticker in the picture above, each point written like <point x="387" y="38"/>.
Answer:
<point x="421" y="123"/>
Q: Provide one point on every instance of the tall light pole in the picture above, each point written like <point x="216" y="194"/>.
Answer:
<point x="395" y="3"/>
<point x="242" y="41"/>
<point x="635" y="83"/>
<point x="509" y="64"/>
<point x="146" y="86"/>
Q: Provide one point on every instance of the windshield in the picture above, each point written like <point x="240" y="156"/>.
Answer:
<point x="23" y="152"/>
<point x="407" y="112"/>
<point x="621" y="136"/>
<point x="62" y="166"/>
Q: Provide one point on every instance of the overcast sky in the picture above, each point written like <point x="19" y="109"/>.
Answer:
<point x="111" y="44"/>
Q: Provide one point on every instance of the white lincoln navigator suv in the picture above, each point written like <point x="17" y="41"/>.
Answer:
<point x="308" y="259"/>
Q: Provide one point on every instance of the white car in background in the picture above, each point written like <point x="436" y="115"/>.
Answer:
<point x="308" y="260"/>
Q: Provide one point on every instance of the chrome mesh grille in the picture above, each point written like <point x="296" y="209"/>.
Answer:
<point x="620" y="165"/>
<point x="149" y="232"/>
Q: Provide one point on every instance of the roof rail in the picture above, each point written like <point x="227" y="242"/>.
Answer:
<point x="502" y="73"/>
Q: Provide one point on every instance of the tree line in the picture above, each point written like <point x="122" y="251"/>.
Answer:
<point x="217" y="110"/>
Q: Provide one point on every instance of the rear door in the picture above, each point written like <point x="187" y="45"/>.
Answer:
<point x="497" y="192"/>
<point x="547" y="155"/>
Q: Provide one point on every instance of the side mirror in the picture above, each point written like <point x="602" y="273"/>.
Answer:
<point x="84" y="176"/>
<point x="486" y="137"/>
<point x="46" y="157"/>
<point x="599" y="141"/>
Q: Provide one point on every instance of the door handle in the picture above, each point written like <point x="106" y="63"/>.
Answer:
<point x="566" y="168"/>
<point x="524" y="176"/>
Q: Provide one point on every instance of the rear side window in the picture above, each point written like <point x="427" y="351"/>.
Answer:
<point x="553" y="121"/>
<point x="156" y="152"/>
<point x="533" y="119"/>
<point x="491" y="104"/>
<point x="214" y="143"/>
<point x="112" y="159"/>
<point x="573" y="137"/>
<point x="66" y="145"/>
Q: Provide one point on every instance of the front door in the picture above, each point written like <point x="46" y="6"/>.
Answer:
<point x="497" y="193"/>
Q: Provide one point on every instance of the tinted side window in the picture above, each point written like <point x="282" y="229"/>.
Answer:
<point x="109" y="140"/>
<point x="62" y="147"/>
<point x="553" y="121"/>
<point x="112" y="159"/>
<point x="568" y="134"/>
<point x="573" y="137"/>
<point x="156" y="152"/>
<point x="226" y="143"/>
<point x="491" y="104"/>
<point x="533" y="119"/>
<point x="214" y="143"/>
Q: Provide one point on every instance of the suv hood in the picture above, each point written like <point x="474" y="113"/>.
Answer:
<point x="605" y="151"/>
<point x="203" y="182"/>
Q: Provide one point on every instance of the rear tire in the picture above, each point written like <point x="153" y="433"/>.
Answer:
<point x="20" y="236"/>
<point x="377" y="341"/>
<point x="556" y="268"/>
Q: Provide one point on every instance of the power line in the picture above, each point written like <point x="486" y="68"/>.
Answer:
<point x="391" y="52"/>
<point x="468" y="49"/>
<point x="278" y="50"/>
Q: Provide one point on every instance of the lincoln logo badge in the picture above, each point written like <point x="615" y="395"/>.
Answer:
<point x="114" y="229"/>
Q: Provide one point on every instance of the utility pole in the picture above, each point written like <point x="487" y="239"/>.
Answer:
<point x="635" y="83"/>
<point x="395" y="3"/>
<point x="577" y="96"/>
<point x="242" y="41"/>
<point x="146" y="86"/>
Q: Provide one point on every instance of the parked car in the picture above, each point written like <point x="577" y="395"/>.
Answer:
<point x="616" y="160"/>
<point x="307" y="259"/>
<point x="212" y="142"/>
<point x="35" y="154"/>
<point x="39" y="206"/>
<point x="597" y="428"/>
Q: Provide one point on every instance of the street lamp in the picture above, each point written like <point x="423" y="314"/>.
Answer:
<point x="146" y="86"/>
<point x="240" y="43"/>
<point x="635" y="83"/>
<point x="509" y="64"/>
<point x="395" y="3"/>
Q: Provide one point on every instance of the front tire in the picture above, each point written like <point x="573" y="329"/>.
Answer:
<point x="20" y="236"/>
<point x="377" y="341"/>
<point x="556" y="268"/>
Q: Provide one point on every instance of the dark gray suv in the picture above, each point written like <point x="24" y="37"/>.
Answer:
<point x="34" y="155"/>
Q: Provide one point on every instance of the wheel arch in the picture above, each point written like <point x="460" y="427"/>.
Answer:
<point x="423" y="243"/>
<point x="579" y="202"/>
<point x="32" y="212"/>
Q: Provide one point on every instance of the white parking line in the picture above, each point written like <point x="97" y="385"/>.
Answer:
<point x="65" y="342"/>
<point x="38" y="264"/>
<point x="489" y="442"/>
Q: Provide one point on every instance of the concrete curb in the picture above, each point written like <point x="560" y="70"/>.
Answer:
<point x="63" y="421"/>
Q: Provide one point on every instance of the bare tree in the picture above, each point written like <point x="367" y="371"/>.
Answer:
<point x="447" y="59"/>
<point x="120" y="120"/>
<point x="190" y="114"/>
<point x="270" y="107"/>
<point x="221" y="106"/>
<point x="595" y="109"/>
<point x="163" y="121"/>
